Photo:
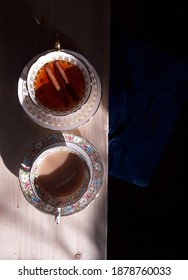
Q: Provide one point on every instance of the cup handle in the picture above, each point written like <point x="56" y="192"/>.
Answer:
<point x="58" y="216"/>
<point x="57" y="45"/>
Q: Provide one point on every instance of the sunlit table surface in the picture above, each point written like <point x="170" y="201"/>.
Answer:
<point x="83" y="26"/>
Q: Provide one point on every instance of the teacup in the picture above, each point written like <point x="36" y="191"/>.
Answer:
<point x="59" y="83"/>
<point x="60" y="176"/>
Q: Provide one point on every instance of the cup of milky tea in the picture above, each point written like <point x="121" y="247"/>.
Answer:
<point x="59" y="83"/>
<point x="60" y="176"/>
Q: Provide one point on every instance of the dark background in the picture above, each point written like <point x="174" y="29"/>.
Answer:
<point x="152" y="222"/>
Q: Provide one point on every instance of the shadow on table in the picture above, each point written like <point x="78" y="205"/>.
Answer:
<point x="21" y="39"/>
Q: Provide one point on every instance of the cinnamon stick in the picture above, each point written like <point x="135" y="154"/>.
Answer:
<point x="56" y="83"/>
<point x="51" y="76"/>
<point x="62" y="72"/>
<point x="65" y="81"/>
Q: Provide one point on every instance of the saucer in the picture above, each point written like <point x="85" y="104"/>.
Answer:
<point x="54" y="140"/>
<point x="56" y="122"/>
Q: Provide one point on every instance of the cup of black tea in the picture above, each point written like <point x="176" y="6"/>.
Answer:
<point x="60" y="176"/>
<point x="59" y="83"/>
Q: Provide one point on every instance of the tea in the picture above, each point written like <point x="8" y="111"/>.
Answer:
<point x="60" y="173"/>
<point x="59" y="85"/>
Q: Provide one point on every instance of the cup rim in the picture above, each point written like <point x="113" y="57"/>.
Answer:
<point x="64" y="200"/>
<point x="50" y="57"/>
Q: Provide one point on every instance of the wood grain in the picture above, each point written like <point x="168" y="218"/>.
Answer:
<point x="83" y="26"/>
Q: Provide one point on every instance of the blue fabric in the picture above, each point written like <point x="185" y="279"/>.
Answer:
<point x="147" y="91"/>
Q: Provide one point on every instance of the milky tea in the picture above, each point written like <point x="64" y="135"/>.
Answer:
<point x="60" y="173"/>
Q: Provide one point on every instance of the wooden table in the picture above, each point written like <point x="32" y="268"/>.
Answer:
<point x="83" y="26"/>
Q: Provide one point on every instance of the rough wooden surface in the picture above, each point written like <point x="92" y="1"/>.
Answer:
<point x="26" y="233"/>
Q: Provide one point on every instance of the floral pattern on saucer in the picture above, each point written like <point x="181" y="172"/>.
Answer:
<point x="61" y="138"/>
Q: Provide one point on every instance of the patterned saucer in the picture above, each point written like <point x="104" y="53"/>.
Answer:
<point x="56" y="122"/>
<point x="69" y="140"/>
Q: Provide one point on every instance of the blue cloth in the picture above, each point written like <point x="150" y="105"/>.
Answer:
<point x="147" y="91"/>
